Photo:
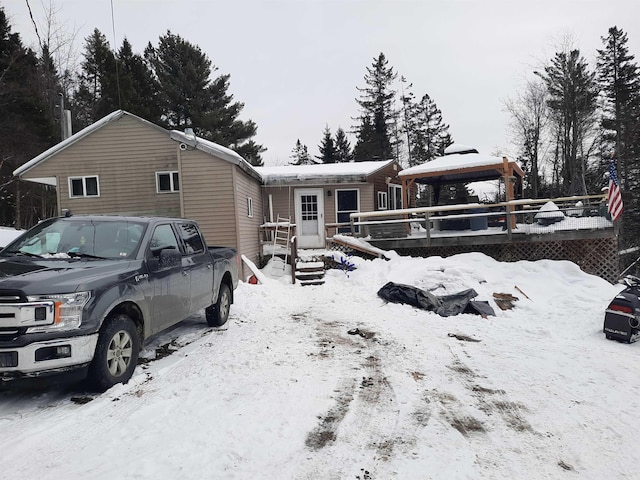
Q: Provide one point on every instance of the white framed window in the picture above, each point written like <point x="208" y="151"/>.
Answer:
<point x="87" y="186"/>
<point x="167" y="182"/>
<point x="382" y="201"/>
<point x="347" y="202"/>
<point x="249" y="207"/>
<point x="395" y="197"/>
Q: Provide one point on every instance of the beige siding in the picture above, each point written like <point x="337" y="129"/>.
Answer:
<point x="208" y="196"/>
<point x="248" y="227"/>
<point x="125" y="155"/>
<point x="284" y="199"/>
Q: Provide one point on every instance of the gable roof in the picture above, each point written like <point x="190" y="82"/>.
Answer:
<point x="323" y="173"/>
<point x="66" y="143"/>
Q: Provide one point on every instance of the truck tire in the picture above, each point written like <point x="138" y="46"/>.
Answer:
<point x="218" y="314"/>
<point x="116" y="353"/>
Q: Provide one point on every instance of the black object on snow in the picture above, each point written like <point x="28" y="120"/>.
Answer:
<point x="444" y="305"/>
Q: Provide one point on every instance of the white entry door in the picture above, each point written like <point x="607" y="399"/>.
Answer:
<point x="310" y="218"/>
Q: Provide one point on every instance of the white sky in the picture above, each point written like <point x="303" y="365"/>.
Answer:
<point x="283" y="391"/>
<point x="296" y="64"/>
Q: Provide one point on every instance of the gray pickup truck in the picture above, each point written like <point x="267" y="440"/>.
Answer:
<point x="80" y="294"/>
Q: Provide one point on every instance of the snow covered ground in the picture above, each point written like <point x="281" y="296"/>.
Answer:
<point x="285" y="391"/>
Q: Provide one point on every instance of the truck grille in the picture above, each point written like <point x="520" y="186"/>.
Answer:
<point x="8" y="297"/>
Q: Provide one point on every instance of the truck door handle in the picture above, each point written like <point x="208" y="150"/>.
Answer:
<point x="209" y="266"/>
<point x="185" y="273"/>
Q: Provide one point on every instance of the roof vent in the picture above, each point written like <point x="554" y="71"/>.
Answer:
<point x="189" y="132"/>
<point x="459" y="149"/>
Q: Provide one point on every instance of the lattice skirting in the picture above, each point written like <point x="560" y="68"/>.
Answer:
<point x="597" y="256"/>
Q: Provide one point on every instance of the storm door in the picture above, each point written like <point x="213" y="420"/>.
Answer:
<point x="310" y="218"/>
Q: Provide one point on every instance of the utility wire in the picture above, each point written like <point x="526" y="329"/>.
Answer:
<point x="115" y="54"/>
<point x="34" y="23"/>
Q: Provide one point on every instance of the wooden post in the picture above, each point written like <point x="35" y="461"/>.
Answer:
<point x="427" y="226"/>
<point x="509" y="193"/>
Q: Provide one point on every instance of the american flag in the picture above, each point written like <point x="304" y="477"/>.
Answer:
<point x="614" y="198"/>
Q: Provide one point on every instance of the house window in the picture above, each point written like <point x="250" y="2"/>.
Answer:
<point x="167" y="182"/>
<point x="249" y="207"/>
<point x="84" y="187"/>
<point x="347" y="202"/>
<point x="382" y="201"/>
<point x="395" y="197"/>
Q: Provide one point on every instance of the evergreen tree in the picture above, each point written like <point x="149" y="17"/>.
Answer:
<point x="328" y="153"/>
<point x="300" y="154"/>
<point x="428" y="134"/>
<point x="97" y="93"/>
<point x="138" y="87"/>
<point x="619" y="82"/>
<point x="27" y="127"/>
<point x="572" y="100"/>
<point x="189" y="98"/>
<point x="377" y="114"/>
<point x="342" y="147"/>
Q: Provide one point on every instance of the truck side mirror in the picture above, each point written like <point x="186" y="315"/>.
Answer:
<point x="170" y="257"/>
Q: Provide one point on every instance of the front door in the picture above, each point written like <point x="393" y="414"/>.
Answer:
<point x="310" y="218"/>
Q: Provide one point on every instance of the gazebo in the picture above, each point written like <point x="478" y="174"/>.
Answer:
<point x="463" y="164"/>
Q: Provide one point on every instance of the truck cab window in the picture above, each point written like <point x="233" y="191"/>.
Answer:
<point x="163" y="237"/>
<point x="191" y="237"/>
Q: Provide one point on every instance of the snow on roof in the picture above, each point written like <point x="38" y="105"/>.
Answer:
<point x="207" y="146"/>
<point x="454" y="161"/>
<point x="459" y="148"/>
<point x="76" y="137"/>
<point x="324" y="172"/>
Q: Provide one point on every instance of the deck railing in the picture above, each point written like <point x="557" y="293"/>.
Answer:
<point x="525" y="216"/>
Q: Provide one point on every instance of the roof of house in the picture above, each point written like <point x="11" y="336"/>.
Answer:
<point x="191" y="140"/>
<point x="57" y="148"/>
<point x="323" y="173"/>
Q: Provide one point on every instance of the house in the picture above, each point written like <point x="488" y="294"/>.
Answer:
<point x="125" y="165"/>
<point x="317" y="198"/>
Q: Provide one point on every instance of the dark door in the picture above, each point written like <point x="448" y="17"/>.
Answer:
<point x="199" y="264"/>
<point x="171" y="301"/>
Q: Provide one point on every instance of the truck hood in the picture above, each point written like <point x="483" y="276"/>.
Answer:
<point x="38" y="277"/>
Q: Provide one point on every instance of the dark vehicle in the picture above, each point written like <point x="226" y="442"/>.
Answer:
<point x="622" y="316"/>
<point x="80" y="294"/>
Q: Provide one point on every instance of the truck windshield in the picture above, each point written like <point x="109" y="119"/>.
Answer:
<point x="78" y="238"/>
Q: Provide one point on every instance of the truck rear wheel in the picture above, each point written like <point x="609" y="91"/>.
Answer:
<point x="116" y="353"/>
<point x="218" y="314"/>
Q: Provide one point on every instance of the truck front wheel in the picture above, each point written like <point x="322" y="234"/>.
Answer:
<point x="218" y="313"/>
<point x="116" y="353"/>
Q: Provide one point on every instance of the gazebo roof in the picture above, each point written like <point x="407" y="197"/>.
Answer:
<point x="461" y="164"/>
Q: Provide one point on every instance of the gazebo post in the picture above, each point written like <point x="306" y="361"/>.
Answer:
<point x="509" y="190"/>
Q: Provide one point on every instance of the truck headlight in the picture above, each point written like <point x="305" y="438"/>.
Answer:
<point x="68" y="311"/>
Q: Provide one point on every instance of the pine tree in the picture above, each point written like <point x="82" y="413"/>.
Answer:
<point x="377" y="117"/>
<point x="428" y="133"/>
<point x="300" y="154"/>
<point x="342" y="146"/>
<point x="138" y="87"/>
<point x="26" y="127"/>
<point x="619" y="82"/>
<point x="572" y="99"/>
<point x="96" y="94"/>
<point x="328" y="153"/>
<point x="189" y="98"/>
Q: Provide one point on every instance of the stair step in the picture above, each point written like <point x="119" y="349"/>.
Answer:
<point x="311" y="282"/>
<point x="309" y="275"/>
<point x="317" y="265"/>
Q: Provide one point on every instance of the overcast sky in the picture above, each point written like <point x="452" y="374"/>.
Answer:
<point x="296" y="64"/>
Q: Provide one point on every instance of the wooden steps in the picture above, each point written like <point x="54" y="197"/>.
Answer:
<point x="309" y="271"/>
